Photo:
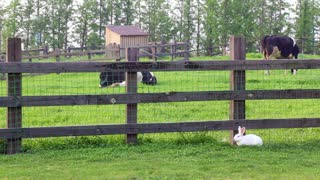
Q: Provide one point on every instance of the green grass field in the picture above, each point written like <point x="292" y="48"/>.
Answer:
<point x="286" y="154"/>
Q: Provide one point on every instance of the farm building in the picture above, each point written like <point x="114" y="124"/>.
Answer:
<point x="126" y="36"/>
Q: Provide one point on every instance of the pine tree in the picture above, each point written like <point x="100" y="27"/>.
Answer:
<point x="306" y="24"/>
<point x="199" y="21"/>
<point x="157" y="21"/>
<point x="86" y="24"/>
<point x="210" y="26"/>
<point x="13" y="22"/>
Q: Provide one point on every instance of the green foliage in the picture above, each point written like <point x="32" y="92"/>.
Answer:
<point x="156" y="20"/>
<point x="13" y="21"/>
<point x="307" y="25"/>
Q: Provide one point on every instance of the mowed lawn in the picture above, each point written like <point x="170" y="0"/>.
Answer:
<point x="286" y="154"/>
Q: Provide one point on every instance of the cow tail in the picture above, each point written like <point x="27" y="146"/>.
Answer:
<point x="264" y="42"/>
<point x="263" y="46"/>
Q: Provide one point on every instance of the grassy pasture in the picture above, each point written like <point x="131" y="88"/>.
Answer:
<point x="287" y="153"/>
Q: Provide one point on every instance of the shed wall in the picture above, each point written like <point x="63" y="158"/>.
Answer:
<point x="132" y="41"/>
<point x="112" y="37"/>
<point x="125" y="41"/>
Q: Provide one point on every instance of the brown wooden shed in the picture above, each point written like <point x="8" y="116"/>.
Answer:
<point x="126" y="36"/>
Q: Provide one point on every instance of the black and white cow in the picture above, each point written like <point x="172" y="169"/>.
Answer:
<point x="112" y="79"/>
<point x="279" y="47"/>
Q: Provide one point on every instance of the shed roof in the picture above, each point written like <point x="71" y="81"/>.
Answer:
<point x="128" y="30"/>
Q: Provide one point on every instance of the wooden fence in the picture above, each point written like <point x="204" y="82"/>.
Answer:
<point x="153" y="50"/>
<point x="43" y="53"/>
<point x="14" y="101"/>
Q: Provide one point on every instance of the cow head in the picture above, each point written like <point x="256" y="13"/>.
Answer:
<point x="148" y="78"/>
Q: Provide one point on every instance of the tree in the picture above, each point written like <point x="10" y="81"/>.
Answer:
<point x="66" y="10"/>
<point x="138" y="13"/>
<point x="243" y="22"/>
<point x="187" y="21"/>
<point x="13" y="20"/>
<point x="2" y="12"/>
<point x="86" y="25"/>
<point x="199" y="21"/>
<point x="103" y="20"/>
<point x="128" y="12"/>
<point x="210" y="24"/>
<point x="278" y="16"/>
<point x="306" y="24"/>
<point x="157" y="21"/>
<point x="224" y="23"/>
<point x="117" y="12"/>
<point x="60" y="13"/>
<point x="40" y="23"/>
<point x="27" y="13"/>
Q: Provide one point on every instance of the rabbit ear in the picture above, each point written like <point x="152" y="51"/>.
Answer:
<point x="243" y="130"/>
<point x="239" y="129"/>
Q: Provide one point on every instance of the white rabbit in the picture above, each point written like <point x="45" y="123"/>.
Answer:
<point x="247" y="140"/>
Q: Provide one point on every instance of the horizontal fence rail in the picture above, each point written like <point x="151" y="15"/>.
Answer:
<point x="16" y="67"/>
<point x="38" y="132"/>
<point x="111" y="99"/>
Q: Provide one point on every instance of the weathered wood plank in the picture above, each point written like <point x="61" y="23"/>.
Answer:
<point x="14" y="89"/>
<point x="155" y="66"/>
<point x="156" y="128"/>
<point x="79" y="53"/>
<point x="67" y="100"/>
<point x="132" y="88"/>
<point x="237" y="81"/>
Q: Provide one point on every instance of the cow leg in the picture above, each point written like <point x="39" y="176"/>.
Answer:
<point x="286" y="71"/>
<point x="274" y="53"/>
<point x="293" y="71"/>
<point x="266" y="57"/>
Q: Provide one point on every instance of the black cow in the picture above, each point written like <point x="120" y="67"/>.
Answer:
<point x="279" y="47"/>
<point x="118" y="78"/>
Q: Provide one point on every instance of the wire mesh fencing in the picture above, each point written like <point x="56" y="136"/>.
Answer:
<point x="76" y="99"/>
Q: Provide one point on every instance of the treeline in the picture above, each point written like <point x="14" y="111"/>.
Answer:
<point x="203" y="23"/>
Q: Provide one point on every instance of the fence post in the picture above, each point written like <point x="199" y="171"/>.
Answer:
<point x="186" y="51"/>
<point x="118" y="52"/>
<point x="2" y="59"/>
<point x="69" y="51"/>
<point x="89" y="54"/>
<point x="106" y="52"/>
<point x="14" y="114"/>
<point x="131" y="88"/>
<point x="57" y="53"/>
<point x="237" y="81"/>
<point x="174" y="50"/>
<point x="171" y="51"/>
<point x="154" y="51"/>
